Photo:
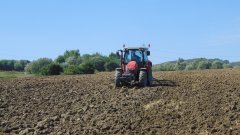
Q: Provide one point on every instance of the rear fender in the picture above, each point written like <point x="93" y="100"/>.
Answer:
<point x="149" y="65"/>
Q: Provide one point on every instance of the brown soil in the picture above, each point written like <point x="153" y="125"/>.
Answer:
<point x="196" y="102"/>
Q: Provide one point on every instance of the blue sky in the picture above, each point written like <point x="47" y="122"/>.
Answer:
<point x="174" y="28"/>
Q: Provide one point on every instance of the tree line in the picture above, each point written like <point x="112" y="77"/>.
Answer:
<point x="13" y="65"/>
<point x="195" y="64"/>
<point x="71" y="62"/>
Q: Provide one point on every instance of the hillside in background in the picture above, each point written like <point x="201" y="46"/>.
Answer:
<point x="235" y="64"/>
<point x="195" y="64"/>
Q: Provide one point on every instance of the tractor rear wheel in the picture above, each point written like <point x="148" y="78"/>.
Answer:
<point x="150" y="77"/>
<point x="117" y="78"/>
<point x="143" y="79"/>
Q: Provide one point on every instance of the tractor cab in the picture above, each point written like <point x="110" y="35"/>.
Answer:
<point x="134" y="66"/>
<point x="138" y="54"/>
<point x="135" y="54"/>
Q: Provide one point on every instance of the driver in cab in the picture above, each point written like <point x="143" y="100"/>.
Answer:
<point x="135" y="57"/>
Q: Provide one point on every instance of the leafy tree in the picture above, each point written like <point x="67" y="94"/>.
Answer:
<point x="7" y="65"/>
<point x="71" y="53"/>
<point x="64" y="65"/>
<point x="71" y="70"/>
<point x="51" y="69"/>
<point x="10" y="65"/>
<point x="86" y="57"/>
<point x="111" y="66"/>
<point x="86" y="68"/>
<point x="4" y="65"/>
<point x="35" y="66"/>
<point x="113" y="56"/>
<point x="226" y="62"/>
<point x="73" y="60"/>
<point x="196" y="62"/>
<point x="98" y="63"/>
<point x="217" y="65"/>
<point x="180" y="60"/>
<point x="180" y="65"/>
<point x="1" y="65"/>
<point x="190" y="67"/>
<point x="204" y="65"/>
<point x="24" y="62"/>
<point x="18" y="66"/>
<point x="60" y="59"/>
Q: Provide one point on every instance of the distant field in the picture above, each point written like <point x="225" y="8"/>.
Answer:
<point x="12" y="74"/>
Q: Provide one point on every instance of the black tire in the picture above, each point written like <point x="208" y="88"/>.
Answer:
<point x="143" y="79"/>
<point x="150" y="77"/>
<point x="117" y="78"/>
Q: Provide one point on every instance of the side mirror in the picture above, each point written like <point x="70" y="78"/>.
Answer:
<point x="118" y="55"/>
<point x="148" y="53"/>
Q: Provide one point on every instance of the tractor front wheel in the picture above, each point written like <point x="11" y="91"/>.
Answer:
<point x="143" y="79"/>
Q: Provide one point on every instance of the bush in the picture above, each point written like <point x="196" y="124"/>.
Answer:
<point x="35" y="66"/>
<point x="113" y="56"/>
<point x="204" y="65"/>
<point x="111" y="66"/>
<point x="190" y="67"/>
<point x="168" y="66"/>
<point x="181" y="64"/>
<point x="86" y="68"/>
<point x="98" y="63"/>
<point x="71" y="70"/>
<point x="51" y="69"/>
<point x="227" y="66"/>
<point x="217" y="65"/>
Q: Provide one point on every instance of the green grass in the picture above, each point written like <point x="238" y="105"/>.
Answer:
<point x="12" y="74"/>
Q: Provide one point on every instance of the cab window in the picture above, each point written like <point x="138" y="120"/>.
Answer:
<point x="133" y="55"/>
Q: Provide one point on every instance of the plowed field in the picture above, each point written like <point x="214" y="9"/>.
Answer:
<point x="187" y="102"/>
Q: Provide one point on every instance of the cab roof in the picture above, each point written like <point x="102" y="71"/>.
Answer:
<point x="136" y="48"/>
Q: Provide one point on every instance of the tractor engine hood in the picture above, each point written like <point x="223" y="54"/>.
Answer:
<point x="132" y="67"/>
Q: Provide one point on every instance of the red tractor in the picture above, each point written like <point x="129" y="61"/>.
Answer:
<point x="135" y="67"/>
